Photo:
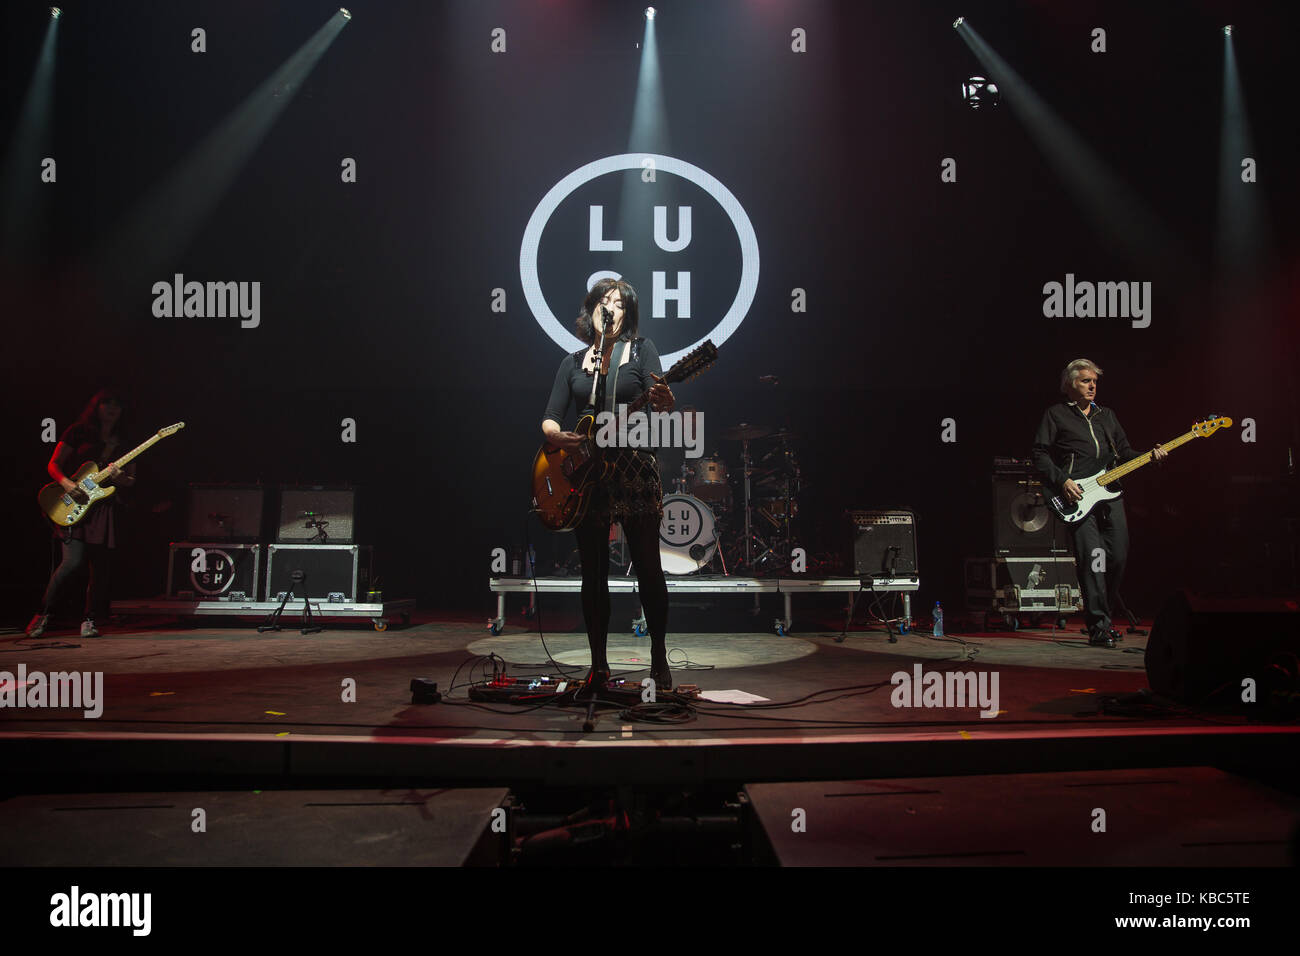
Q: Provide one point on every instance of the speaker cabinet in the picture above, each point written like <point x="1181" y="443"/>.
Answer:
<point x="1022" y="520"/>
<point x="884" y="543"/>
<point x="1201" y="645"/>
<point x="225" y="512"/>
<point x="300" y="506"/>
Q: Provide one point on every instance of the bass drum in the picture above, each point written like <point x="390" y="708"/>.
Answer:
<point x="687" y="534"/>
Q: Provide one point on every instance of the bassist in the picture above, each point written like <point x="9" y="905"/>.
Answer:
<point x="1078" y="438"/>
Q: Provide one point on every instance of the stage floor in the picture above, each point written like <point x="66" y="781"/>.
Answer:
<point x="210" y="702"/>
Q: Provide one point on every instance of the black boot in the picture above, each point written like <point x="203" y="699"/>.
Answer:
<point x="660" y="673"/>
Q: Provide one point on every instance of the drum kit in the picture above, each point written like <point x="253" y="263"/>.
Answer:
<point x="748" y="528"/>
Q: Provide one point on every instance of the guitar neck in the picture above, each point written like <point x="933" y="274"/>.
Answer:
<point x="1129" y="466"/>
<point x="122" y="460"/>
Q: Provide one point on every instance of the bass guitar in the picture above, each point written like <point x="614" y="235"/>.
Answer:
<point x="65" y="509"/>
<point x="1095" y="489"/>
<point x="562" y="480"/>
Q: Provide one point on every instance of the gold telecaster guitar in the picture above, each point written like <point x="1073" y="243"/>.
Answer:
<point x="65" y="510"/>
<point x="562" y="480"/>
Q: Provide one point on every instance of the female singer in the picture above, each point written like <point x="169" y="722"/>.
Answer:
<point x="632" y="493"/>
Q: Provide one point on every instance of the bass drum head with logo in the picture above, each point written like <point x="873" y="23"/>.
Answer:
<point x="687" y="539"/>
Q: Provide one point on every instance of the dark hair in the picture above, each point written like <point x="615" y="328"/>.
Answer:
<point x="89" y="417"/>
<point x="631" y="314"/>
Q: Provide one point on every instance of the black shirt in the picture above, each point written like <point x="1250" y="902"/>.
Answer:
<point x="1070" y="444"/>
<point x="572" y="386"/>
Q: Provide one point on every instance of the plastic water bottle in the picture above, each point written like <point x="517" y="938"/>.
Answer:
<point x="938" y="619"/>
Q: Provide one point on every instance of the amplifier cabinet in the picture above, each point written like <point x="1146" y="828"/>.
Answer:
<point x="884" y="543"/>
<point x="330" y="568"/>
<point x="300" y="506"/>
<point x="225" y="513"/>
<point x="213" y="570"/>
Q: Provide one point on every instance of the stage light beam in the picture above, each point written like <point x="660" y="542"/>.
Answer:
<point x="30" y="143"/>
<point x="167" y="220"/>
<point x="1118" y="214"/>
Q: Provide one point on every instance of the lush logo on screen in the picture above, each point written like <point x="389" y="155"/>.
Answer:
<point x="668" y="227"/>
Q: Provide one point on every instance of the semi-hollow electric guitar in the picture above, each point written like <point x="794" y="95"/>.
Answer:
<point x="1095" y="489"/>
<point x="65" y="509"/>
<point x="563" y="480"/>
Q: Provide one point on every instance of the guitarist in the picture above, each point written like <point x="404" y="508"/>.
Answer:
<point x="632" y="493"/>
<point x="1076" y="439"/>
<point x="97" y="435"/>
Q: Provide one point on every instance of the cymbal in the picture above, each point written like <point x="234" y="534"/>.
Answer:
<point x="783" y="434"/>
<point x="745" y="431"/>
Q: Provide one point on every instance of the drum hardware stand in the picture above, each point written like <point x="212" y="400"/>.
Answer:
<point x="309" y="625"/>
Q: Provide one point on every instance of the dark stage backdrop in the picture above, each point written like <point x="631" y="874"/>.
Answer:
<point x="809" y="141"/>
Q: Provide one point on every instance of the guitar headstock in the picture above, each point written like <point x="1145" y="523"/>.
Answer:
<point x="1211" y="425"/>
<point x="170" y="429"/>
<point x="692" y="363"/>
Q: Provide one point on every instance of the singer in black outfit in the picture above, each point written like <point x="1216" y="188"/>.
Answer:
<point x="633" y="493"/>
<point x="1078" y="438"/>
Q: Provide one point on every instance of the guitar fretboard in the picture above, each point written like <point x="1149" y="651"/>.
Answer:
<point x="1128" y="466"/>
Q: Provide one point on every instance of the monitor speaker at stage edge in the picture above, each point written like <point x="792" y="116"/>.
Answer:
<point x="884" y="543"/>
<point x="1203" y="649"/>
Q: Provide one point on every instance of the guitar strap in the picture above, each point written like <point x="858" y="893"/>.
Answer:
<point x="615" y="362"/>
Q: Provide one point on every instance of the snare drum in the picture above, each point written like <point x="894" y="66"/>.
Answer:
<point x="710" y="479"/>
<point x="687" y="535"/>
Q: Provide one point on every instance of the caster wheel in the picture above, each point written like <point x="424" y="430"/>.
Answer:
<point x="638" y="630"/>
<point x="494" y="627"/>
<point x="380" y="624"/>
<point x="780" y="629"/>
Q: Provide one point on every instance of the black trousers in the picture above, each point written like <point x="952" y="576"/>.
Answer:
<point x="1105" y="528"/>
<point x="642" y="533"/>
<point x="76" y="554"/>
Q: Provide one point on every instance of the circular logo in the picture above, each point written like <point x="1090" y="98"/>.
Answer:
<point x="662" y="164"/>
<point x="683" y="521"/>
<point x="214" y="574"/>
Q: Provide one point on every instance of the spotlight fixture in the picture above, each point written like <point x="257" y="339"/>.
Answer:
<point x="347" y="14"/>
<point x="55" y="13"/>
<point x="958" y="22"/>
<point x="978" y="92"/>
<point x="649" y="13"/>
<point x="1227" y="31"/>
